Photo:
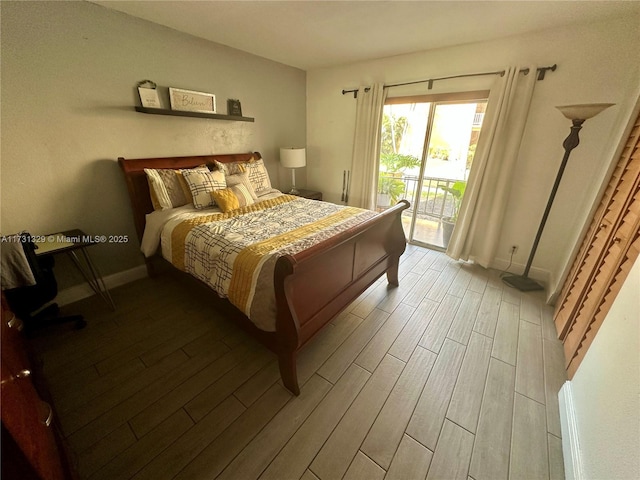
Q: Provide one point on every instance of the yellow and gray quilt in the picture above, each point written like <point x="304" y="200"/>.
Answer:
<point x="235" y="252"/>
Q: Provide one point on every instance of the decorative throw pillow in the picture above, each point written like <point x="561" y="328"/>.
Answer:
<point x="184" y="186"/>
<point x="241" y="179"/>
<point x="231" y="168"/>
<point x="258" y="176"/>
<point x="232" y="197"/>
<point x="255" y="169"/>
<point x="165" y="189"/>
<point x="183" y="183"/>
<point x="201" y="184"/>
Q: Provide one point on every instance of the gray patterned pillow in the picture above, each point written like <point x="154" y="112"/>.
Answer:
<point x="165" y="189"/>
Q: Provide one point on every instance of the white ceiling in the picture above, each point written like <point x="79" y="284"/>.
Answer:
<point x="315" y="33"/>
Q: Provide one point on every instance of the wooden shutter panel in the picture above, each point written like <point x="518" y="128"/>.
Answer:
<point x="606" y="255"/>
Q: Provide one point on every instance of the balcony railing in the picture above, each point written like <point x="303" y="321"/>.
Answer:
<point x="435" y="202"/>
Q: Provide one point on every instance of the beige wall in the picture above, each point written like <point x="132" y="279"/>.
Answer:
<point x="596" y="63"/>
<point x="68" y="75"/>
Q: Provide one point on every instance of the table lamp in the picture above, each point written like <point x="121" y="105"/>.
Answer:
<point x="293" y="158"/>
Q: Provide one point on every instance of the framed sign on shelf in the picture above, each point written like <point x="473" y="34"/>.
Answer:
<point x="148" y="94"/>
<point x="190" y="101"/>
<point x="234" y="107"/>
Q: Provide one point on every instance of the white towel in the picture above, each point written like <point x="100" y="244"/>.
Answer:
<point x="14" y="266"/>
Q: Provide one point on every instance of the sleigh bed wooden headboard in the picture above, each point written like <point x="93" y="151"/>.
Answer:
<point x="138" y="186"/>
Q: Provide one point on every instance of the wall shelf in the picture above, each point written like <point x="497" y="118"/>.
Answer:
<point x="179" y="113"/>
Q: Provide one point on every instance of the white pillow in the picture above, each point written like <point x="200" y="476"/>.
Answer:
<point x="241" y="179"/>
<point x="201" y="184"/>
<point x="258" y="176"/>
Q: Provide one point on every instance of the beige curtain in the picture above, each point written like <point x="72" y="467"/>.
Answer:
<point x="479" y="224"/>
<point x="366" y="147"/>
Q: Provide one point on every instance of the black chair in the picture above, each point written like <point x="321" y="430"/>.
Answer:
<point x="26" y="301"/>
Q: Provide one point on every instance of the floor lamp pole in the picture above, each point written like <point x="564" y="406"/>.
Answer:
<point x="577" y="114"/>
<point x="523" y="282"/>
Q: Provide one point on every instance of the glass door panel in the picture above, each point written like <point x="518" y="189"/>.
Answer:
<point x="404" y="128"/>
<point x="449" y="153"/>
<point x="426" y="154"/>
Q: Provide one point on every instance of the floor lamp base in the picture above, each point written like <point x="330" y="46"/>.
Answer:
<point x="524" y="284"/>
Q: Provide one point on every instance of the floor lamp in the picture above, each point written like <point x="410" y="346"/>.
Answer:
<point x="293" y="158"/>
<point x="577" y="114"/>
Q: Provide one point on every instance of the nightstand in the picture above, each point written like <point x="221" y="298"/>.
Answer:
<point x="310" y="194"/>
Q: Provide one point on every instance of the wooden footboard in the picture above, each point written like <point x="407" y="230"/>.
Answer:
<point x="313" y="286"/>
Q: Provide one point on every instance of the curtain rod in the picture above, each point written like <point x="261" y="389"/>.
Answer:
<point x="541" y="73"/>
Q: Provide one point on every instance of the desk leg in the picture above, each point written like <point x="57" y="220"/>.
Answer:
<point x="92" y="275"/>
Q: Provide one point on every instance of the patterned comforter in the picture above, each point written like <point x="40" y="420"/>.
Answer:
<point x="235" y="253"/>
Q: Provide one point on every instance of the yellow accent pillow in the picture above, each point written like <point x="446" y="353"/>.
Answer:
<point x="225" y="199"/>
<point x="232" y="198"/>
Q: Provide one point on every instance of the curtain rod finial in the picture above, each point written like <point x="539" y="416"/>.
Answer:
<point x="543" y="71"/>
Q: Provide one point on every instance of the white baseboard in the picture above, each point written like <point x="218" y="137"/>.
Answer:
<point x="78" y="292"/>
<point x="570" y="438"/>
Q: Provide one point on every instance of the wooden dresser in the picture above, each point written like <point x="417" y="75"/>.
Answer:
<point x="32" y="446"/>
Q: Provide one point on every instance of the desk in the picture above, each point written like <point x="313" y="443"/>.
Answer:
<point x="69" y="242"/>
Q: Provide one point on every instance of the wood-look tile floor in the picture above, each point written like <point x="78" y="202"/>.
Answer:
<point x="451" y="375"/>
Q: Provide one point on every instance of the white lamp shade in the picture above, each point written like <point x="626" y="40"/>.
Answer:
<point x="293" y="157"/>
<point x="583" y="111"/>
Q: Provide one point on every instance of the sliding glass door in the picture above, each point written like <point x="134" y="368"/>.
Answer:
<point x="426" y="153"/>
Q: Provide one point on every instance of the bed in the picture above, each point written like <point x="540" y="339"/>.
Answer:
<point x="311" y="284"/>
